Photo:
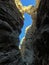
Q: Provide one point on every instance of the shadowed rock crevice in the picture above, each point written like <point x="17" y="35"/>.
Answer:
<point x="11" y="22"/>
<point x="35" y="45"/>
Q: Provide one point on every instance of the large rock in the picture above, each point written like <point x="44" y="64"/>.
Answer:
<point x="36" y="42"/>
<point x="11" y="22"/>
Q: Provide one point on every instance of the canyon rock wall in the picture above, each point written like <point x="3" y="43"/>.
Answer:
<point x="35" y="45"/>
<point x="11" y="22"/>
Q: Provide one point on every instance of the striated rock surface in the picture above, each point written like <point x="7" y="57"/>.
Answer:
<point x="35" y="45"/>
<point x="26" y="47"/>
<point x="11" y="22"/>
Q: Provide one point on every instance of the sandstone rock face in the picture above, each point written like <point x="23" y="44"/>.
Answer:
<point x="37" y="41"/>
<point x="11" y="22"/>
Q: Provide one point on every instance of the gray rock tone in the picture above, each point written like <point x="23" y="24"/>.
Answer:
<point x="37" y="41"/>
<point x="11" y="22"/>
<point x="41" y="37"/>
<point x="26" y="47"/>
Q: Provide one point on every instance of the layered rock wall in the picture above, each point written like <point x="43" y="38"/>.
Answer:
<point x="11" y="22"/>
<point x="35" y="47"/>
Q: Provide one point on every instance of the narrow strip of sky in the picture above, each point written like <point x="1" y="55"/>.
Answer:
<point x="28" y="2"/>
<point x="27" y="19"/>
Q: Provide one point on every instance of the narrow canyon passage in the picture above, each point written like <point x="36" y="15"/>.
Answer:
<point x="34" y="34"/>
<point x="27" y="22"/>
<point x="27" y="17"/>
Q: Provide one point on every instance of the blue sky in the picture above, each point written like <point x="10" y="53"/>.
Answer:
<point x="27" y="19"/>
